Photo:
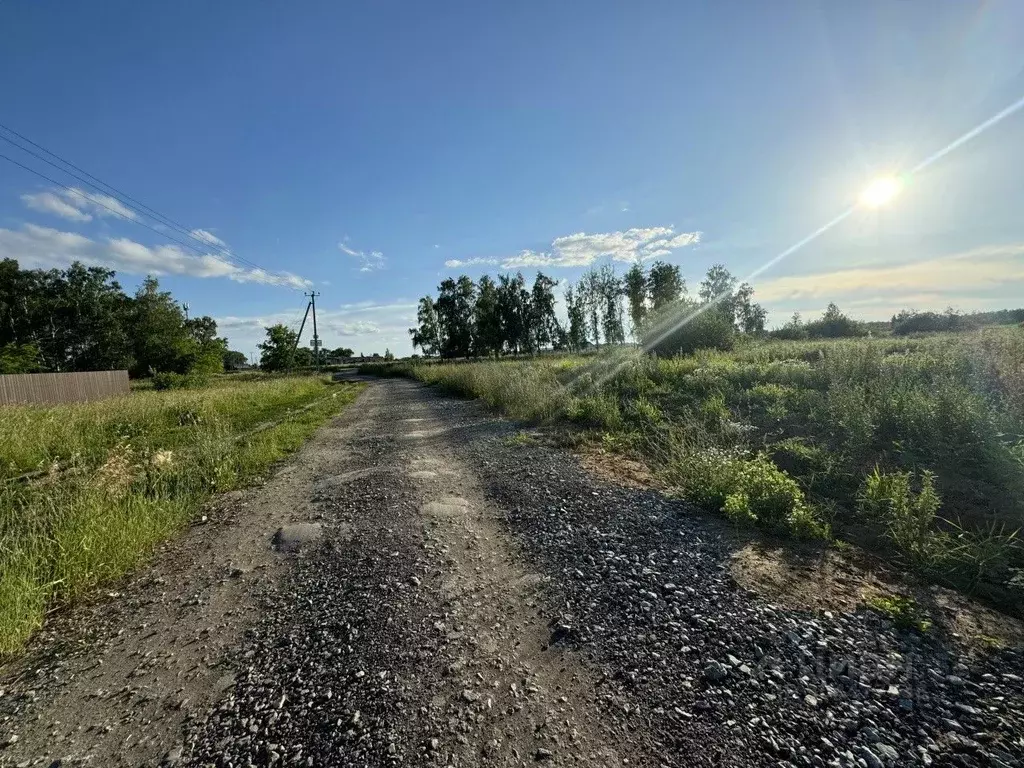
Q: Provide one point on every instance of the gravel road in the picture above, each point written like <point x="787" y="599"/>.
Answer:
<point x="471" y="598"/>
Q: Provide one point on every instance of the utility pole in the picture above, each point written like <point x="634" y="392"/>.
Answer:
<point x="291" y="357"/>
<point x="316" y="339"/>
<point x="184" y="305"/>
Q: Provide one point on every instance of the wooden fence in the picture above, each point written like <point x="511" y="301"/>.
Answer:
<point x="62" y="387"/>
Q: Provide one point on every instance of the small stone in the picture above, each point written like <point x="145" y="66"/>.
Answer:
<point x="871" y="758"/>
<point x="470" y="696"/>
<point x="716" y="672"/>
<point x="544" y="754"/>
<point x="887" y="753"/>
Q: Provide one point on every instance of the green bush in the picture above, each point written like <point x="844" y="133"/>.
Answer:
<point x="746" y="490"/>
<point x="166" y="380"/>
<point x="687" y="327"/>
<point x="907" y="515"/>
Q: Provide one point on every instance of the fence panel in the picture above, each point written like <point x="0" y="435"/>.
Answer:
<point x="62" y="387"/>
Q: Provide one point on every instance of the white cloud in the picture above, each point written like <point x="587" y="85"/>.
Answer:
<point x="208" y="237"/>
<point x="369" y="261"/>
<point x="77" y="205"/>
<point x="582" y="249"/>
<point x="48" y="202"/>
<point x="453" y="263"/>
<point x="99" y="204"/>
<point x="42" y="247"/>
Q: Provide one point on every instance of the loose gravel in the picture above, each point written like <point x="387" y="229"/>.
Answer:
<point x="474" y="599"/>
<point x="715" y="674"/>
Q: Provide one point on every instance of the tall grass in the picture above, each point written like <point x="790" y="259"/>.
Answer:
<point x="791" y="433"/>
<point x="115" y="478"/>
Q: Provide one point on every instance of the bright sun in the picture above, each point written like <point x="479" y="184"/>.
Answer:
<point x="880" y="191"/>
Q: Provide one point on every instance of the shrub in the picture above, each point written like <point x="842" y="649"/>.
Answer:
<point x="686" y="327"/>
<point x="834" y="325"/>
<point x="166" y="380"/>
<point x="746" y="490"/>
<point x="908" y="321"/>
<point x="908" y="515"/>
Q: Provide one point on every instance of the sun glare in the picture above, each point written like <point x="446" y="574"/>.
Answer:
<point x="880" y="191"/>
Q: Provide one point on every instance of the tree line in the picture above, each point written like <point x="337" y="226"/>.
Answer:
<point x="80" y="319"/>
<point x="492" y="317"/>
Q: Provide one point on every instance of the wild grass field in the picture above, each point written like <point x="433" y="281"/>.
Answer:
<point x="87" y="490"/>
<point x="913" y="447"/>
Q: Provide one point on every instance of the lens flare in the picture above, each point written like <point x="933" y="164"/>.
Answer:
<point x="880" y="191"/>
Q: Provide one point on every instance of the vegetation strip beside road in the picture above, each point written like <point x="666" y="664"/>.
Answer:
<point x="910" y="446"/>
<point x="123" y="475"/>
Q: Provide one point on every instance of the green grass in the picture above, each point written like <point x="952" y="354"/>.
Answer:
<point x="902" y="611"/>
<point x="115" y="478"/>
<point x="911" y="446"/>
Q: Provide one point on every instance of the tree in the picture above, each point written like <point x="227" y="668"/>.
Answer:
<point x="576" y="336"/>
<point x="514" y="310"/>
<point x="749" y="315"/>
<point x="427" y="336"/>
<point x="77" y="318"/>
<point x="686" y="326"/>
<point x="794" y="330"/>
<point x="665" y="285"/>
<point x="833" y="325"/>
<point x="159" y="333"/>
<point x="276" y="349"/>
<point x="543" y="323"/>
<point x="387" y="354"/>
<point x="635" y="287"/>
<point x="590" y="290"/>
<point x="611" y="305"/>
<point x="340" y="353"/>
<point x="488" y="339"/>
<point x="234" y="360"/>
<point x="718" y="284"/>
<point x="454" y="305"/>
<point x="20" y="358"/>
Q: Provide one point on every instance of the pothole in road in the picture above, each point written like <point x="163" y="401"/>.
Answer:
<point x="297" y="537"/>
<point x="447" y="506"/>
<point x="419" y="434"/>
<point x="428" y="464"/>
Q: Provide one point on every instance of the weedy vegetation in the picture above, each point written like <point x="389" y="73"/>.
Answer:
<point x="912" y="446"/>
<point x="88" y="490"/>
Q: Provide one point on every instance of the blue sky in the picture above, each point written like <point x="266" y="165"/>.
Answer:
<point x="370" y="149"/>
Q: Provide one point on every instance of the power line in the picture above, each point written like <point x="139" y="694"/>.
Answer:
<point x="122" y="197"/>
<point x="114" y="211"/>
<point x="158" y="217"/>
<point x="113" y="191"/>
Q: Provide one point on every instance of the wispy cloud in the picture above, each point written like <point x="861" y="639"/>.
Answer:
<point x="977" y="269"/>
<point x="582" y="249"/>
<point x="208" y="237"/>
<point x="454" y="263"/>
<point x="42" y="247"/>
<point x="369" y="261"/>
<point x="48" y="202"/>
<point x="75" y="204"/>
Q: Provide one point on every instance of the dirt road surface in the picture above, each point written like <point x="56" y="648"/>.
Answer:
<point x="457" y="595"/>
